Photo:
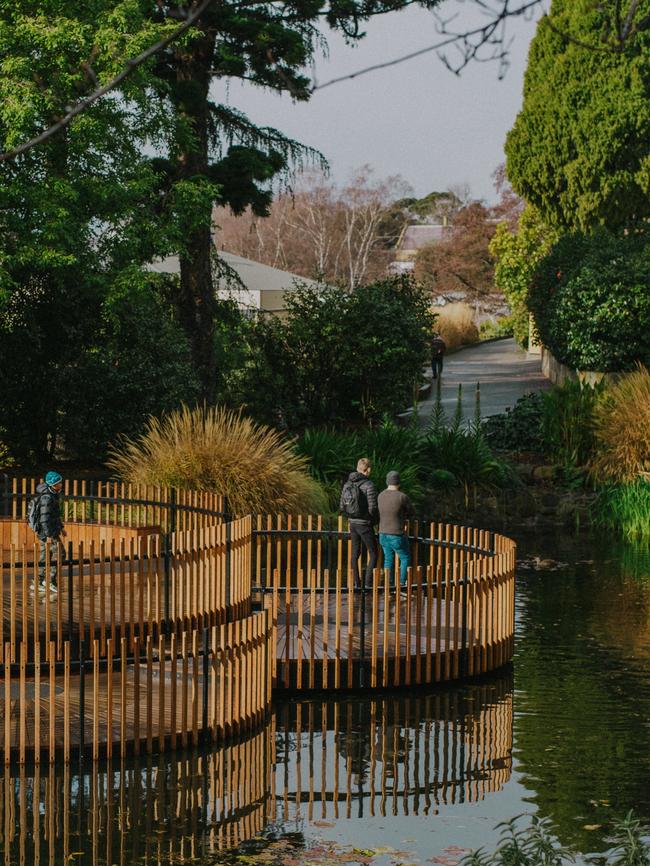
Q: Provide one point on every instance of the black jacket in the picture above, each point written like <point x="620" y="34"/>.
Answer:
<point x="50" y="523"/>
<point x="368" y="500"/>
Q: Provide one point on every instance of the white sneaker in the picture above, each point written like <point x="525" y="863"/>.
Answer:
<point x="48" y="587"/>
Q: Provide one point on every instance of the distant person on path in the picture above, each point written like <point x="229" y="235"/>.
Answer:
<point x="44" y="517"/>
<point x="438" y="349"/>
<point x="359" y="504"/>
<point x="395" y="509"/>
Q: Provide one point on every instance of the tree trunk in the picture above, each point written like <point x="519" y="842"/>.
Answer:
<point x="196" y="303"/>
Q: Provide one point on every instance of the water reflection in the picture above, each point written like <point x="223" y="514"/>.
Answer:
<point x="393" y="755"/>
<point x="382" y="756"/>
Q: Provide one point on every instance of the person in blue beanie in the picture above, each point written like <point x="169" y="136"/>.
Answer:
<point x="48" y="526"/>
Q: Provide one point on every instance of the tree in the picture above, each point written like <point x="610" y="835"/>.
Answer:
<point x="461" y="262"/>
<point x="579" y="148"/>
<point x="516" y="252"/>
<point x="321" y="231"/>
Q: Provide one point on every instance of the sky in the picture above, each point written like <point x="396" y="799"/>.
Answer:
<point x="417" y="119"/>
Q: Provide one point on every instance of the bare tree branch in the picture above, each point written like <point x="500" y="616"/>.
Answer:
<point x="469" y="42"/>
<point x="192" y="17"/>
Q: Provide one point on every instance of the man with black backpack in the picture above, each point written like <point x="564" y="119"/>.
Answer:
<point x="359" y="504"/>
<point x="44" y="517"/>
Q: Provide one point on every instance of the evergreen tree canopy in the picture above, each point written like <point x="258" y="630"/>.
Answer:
<point x="580" y="148"/>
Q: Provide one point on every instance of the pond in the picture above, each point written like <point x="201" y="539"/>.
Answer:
<point x="413" y="776"/>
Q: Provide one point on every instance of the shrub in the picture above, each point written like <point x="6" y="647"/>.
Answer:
<point x="567" y="428"/>
<point x="591" y="301"/>
<point x="625" y="508"/>
<point x="494" y="330"/>
<point x="338" y="355"/>
<point x="215" y="449"/>
<point x="517" y="429"/>
<point x="456" y="325"/>
<point x="622" y="429"/>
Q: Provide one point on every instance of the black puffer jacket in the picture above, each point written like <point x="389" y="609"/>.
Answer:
<point x="368" y="499"/>
<point x="50" y="523"/>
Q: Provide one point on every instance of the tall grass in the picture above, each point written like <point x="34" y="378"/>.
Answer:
<point x="625" y="507"/>
<point x="456" y="325"/>
<point x="567" y="428"/>
<point x="622" y="430"/>
<point x="215" y="449"/>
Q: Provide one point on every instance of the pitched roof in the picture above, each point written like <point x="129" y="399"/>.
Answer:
<point x="254" y="275"/>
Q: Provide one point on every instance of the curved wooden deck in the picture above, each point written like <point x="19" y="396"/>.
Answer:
<point x="156" y="640"/>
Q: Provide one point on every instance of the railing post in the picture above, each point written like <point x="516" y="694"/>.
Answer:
<point x="206" y="671"/>
<point x="464" y="666"/>
<point x="228" y="575"/>
<point x="171" y="528"/>
<point x="82" y="698"/>
<point x="70" y="598"/>
<point x="362" y="628"/>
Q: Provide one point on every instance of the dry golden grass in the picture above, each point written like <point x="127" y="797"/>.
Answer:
<point x="622" y="429"/>
<point x="456" y="326"/>
<point x="216" y="449"/>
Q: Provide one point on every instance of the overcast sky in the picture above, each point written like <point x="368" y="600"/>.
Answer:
<point x="417" y="119"/>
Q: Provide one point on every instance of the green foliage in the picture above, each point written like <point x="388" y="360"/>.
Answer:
<point x="462" y="452"/>
<point x="531" y="845"/>
<point x="337" y="356"/>
<point x="535" y="845"/>
<point x="578" y="150"/>
<point x="516" y="255"/>
<point x="333" y="455"/>
<point x="625" y="508"/>
<point x="503" y="327"/>
<point x="591" y="302"/>
<point x="517" y="429"/>
<point x="567" y="428"/>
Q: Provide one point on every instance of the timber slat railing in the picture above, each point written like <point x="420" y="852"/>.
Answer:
<point x="159" y="594"/>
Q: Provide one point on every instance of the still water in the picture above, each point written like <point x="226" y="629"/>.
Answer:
<point x="564" y="733"/>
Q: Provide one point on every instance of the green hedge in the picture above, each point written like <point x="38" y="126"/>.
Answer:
<point x="591" y="300"/>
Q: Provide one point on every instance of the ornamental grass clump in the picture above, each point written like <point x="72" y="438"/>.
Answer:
<point x="455" y="324"/>
<point x="622" y="430"/>
<point x="216" y="449"/>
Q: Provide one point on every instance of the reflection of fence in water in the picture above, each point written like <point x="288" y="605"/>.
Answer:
<point x="387" y="756"/>
<point x="314" y="760"/>
<point x="166" y="810"/>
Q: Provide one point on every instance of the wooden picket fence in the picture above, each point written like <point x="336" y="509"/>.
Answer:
<point x="315" y="759"/>
<point x="188" y="603"/>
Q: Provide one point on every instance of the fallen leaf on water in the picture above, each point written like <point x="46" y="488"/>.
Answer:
<point x="591" y="826"/>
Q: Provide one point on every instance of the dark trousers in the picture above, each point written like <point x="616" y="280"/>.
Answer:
<point x="363" y="534"/>
<point x="436" y="365"/>
<point x="42" y="559"/>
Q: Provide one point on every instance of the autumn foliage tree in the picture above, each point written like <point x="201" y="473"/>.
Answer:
<point x="462" y="261"/>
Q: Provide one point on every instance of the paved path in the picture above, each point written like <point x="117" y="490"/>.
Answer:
<point x="504" y="371"/>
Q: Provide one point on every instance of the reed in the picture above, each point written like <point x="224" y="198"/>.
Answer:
<point x="622" y="430"/>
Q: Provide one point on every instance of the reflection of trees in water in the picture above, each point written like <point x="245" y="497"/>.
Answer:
<point x="582" y="737"/>
<point x="393" y="754"/>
